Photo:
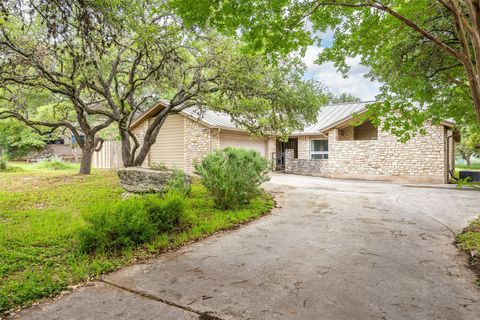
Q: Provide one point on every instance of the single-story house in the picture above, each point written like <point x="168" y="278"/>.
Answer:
<point x="335" y="146"/>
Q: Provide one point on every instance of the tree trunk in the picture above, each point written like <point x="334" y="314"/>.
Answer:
<point x="87" y="155"/>
<point x="467" y="160"/>
<point x="142" y="154"/>
<point x="126" y="149"/>
<point x="86" y="163"/>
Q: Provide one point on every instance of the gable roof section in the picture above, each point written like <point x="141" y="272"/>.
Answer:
<point x="328" y="118"/>
<point x="331" y="115"/>
<point x="207" y="117"/>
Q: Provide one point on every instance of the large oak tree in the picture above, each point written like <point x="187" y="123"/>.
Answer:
<point x="425" y="51"/>
<point x="112" y="60"/>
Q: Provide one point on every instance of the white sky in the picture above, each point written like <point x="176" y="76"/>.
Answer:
<point x="356" y="84"/>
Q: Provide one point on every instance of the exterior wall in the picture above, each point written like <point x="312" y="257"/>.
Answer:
<point x="243" y="140"/>
<point x="169" y="147"/>
<point x="199" y="141"/>
<point x="346" y="133"/>
<point x="422" y="159"/>
<point x="183" y="142"/>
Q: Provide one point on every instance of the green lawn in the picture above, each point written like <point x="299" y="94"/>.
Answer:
<point x="41" y="212"/>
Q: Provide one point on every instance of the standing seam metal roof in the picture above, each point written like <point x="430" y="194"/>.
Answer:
<point x="327" y="116"/>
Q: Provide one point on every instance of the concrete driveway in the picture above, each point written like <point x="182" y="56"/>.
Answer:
<point x="332" y="249"/>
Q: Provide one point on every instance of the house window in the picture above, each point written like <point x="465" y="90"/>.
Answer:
<point x="319" y="149"/>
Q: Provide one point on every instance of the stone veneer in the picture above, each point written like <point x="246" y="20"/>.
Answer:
<point x="421" y="159"/>
<point x="199" y="141"/>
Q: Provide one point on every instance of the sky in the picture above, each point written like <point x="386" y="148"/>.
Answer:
<point x="356" y="84"/>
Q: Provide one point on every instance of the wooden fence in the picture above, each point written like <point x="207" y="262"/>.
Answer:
<point x="110" y="157"/>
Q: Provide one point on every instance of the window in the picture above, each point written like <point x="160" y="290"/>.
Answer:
<point x="318" y="149"/>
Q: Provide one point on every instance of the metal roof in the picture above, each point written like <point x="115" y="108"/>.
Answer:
<point x="328" y="116"/>
<point x="210" y="117"/>
<point x="335" y="113"/>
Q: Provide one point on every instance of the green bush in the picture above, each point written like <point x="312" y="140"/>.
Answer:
<point x="159" y="166"/>
<point x="3" y="164"/>
<point x="168" y="213"/>
<point x="54" y="164"/>
<point x="131" y="222"/>
<point x="113" y="227"/>
<point x="233" y="176"/>
<point x="179" y="182"/>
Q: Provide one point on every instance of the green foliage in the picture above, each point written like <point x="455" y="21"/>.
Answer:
<point x="419" y="79"/>
<point x="469" y="241"/>
<point x="160" y="166"/>
<point x="233" y="176"/>
<point x="470" y="143"/>
<point x="342" y="98"/>
<point x="168" y="213"/>
<point x="131" y="222"/>
<point x="16" y="139"/>
<point x="179" y="183"/>
<point x="54" y="164"/>
<point x="114" y="227"/>
<point x="3" y="163"/>
<point x="40" y="213"/>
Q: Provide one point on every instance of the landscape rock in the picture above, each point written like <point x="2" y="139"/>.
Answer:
<point x="144" y="180"/>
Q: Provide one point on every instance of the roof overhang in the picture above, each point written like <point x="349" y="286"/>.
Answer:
<point x="149" y="113"/>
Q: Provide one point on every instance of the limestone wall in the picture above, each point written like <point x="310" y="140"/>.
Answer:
<point x="199" y="141"/>
<point x="421" y="159"/>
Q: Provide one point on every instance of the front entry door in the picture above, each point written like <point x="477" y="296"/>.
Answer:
<point x="292" y="143"/>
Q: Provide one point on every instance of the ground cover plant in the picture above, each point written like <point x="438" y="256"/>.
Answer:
<point x="42" y="215"/>
<point x="469" y="241"/>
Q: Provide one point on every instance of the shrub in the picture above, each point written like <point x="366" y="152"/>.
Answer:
<point x="179" y="182"/>
<point x="54" y="164"/>
<point x="111" y="227"/>
<point x="3" y="164"/>
<point x="233" y="176"/>
<point x="131" y="222"/>
<point x="167" y="213"/>
<point x="159" y="166"/>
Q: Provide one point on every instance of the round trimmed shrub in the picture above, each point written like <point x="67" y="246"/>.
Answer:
<point x="233" y="176"/>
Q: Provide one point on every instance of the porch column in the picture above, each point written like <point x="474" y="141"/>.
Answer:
<point x="289" y="157"/>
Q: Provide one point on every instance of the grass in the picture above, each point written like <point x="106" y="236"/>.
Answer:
<point x="41" y="213"/>
<point x="469" y="241"/>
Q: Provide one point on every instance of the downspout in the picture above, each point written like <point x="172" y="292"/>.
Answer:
<point x="448" y="158"/>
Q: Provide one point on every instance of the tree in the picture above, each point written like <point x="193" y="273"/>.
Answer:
<point x="113" y="60"/>
<point x="17" y="139"/>
<point x="470" y="144"/>
<point x="38" y="56"/>
<point x="425" y="51"/>
<point x="342" y="98"/>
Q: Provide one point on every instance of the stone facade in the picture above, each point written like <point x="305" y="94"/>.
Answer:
<point x="199" y="141"/>
<point x="424" y="158"/>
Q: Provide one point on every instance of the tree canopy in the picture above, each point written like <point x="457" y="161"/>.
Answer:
<point x="426" y="52"/>
<point x="107" y="61"/>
